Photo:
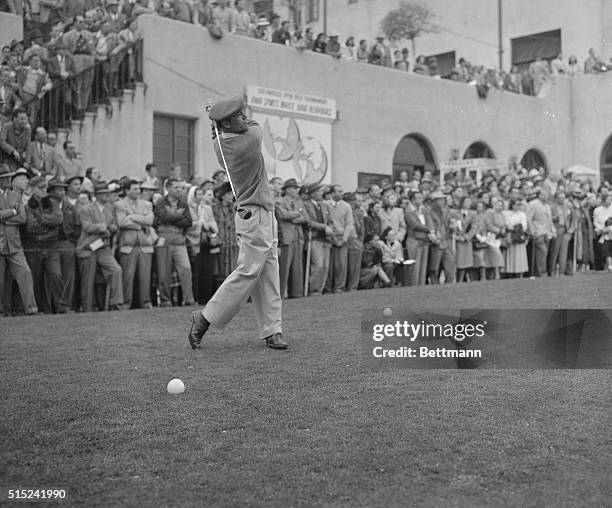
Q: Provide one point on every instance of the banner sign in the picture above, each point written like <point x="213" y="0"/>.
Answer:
<point x="291" y="103"/>
<point x="469" y="164"/>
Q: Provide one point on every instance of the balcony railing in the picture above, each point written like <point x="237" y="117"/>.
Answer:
<point x="70" y="98"/>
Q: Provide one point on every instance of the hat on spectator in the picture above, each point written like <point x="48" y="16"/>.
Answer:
<point x="226" y="108"/>
<point x="426" y="179"/>
<point x="262" y="21"/>
<point x="328" y="189"/>
<point x="333" y="33"/>
<point x="76" y="177"/>
<point x="148" y="185"/>
<point x="19" y="172"/>
<point x="290" y="183"/>
<point x="35" y="34"/>
<point x="207" y="182"/>
<point x="349" y="196"/>
<point x="361" y="190"/>
<point x="380" y="35"/>
<point x="437" y="195"/>
<point x="533" y="173"/>
<point x="538" y="178"/>
<point x="313" y="187"/>
<point x="5" y="172"/>
<point x="14" y="43"/>
<point x="55" y="183"/>
<point x="221" y="189"/>
<point x="101" y="187"/>
<point x="114" y="187"/>
<point x="37" y="181"/>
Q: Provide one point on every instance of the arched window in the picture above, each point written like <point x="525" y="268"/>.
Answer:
<point x="479" y="150"/>
<point x="534" y="159"/>
<point x="605" y="162"/>
<point x="413" y="153"/>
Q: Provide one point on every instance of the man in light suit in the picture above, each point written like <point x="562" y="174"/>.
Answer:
<point x="540" y="226"/>
<point x="94" y="249"/>
<point x="135" y="221"/>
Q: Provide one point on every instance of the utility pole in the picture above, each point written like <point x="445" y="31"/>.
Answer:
<point x="500" y="50"/>
<point x="325" y="16"/>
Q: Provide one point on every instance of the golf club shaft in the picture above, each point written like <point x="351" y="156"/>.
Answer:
<point x="218" y="137"/>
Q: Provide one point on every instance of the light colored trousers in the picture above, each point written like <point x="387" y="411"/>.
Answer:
<point x="319" y="265"/>
<point x="419" y="250"/>
<point x="256" y="275"/>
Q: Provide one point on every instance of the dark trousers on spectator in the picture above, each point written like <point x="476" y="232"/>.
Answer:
<point x="558" y="252"/>
<point x="290" y="266"/>
<point x="319" y="265"/>
<point x="207" y="262"/>
<point x="46" y="270"/>
<point x="69" y="275"/>
<point x="540" y="246"/>
<point x="166" y="257"/>
<point x="112" y="275"/>
<point x="441" y="258"/>
<point x="336" y="277"/>
<point x="20" y="271"/>
<point x="418" y="250"/>
<point x="353" y="269"/>
<point x="136" y="265"/>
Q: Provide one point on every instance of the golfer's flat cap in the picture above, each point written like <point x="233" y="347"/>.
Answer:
<point x="225" y="108"/>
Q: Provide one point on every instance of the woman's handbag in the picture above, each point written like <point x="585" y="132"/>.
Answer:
<point x="479" y="243"/>
<point x="518" y="234"/>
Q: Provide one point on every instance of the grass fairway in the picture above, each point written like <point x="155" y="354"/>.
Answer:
<point x="85" y="408"/>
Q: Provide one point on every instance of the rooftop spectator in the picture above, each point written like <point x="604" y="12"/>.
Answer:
<point x="333" y="47"/>
<point x="273" y="27"/>
<point x="420" y="66"/>
<point x="380" y="54"/>
<point x="241" y="19"/>
<point x="282" y="35"/>
<point x="320" y="43"/>
<point x="362" y="55"/>
<point x="558" y="66"/>
<point x="593" y="64"/>
<point x="539" y="70"/>
<point x="222" y="15"/>
<point x="260" y="28"/>
<point x="348" y="49"/>
<point x="573" y="67"/>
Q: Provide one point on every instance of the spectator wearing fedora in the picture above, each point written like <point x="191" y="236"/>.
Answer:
<point x="540" y="226"/>
<point x="135" y="243"/>
<point x="333" y="47"/>
<point x="93" y="250"/>
<point x="173" y="218"/>
<point x="290" y="215"/>
<point x="342" y="226"/>
<point x="12" y="217"/>
<point x="69" y="233"/>
<point x="40" y="241"/>
<point x="318" y="223"/>
<point x="418" y="229"/>
<point x="355" y="242"/>
<point x="563" y="218"/>
<point x="440" y="254"/>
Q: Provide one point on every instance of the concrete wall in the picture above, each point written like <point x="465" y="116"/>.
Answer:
<point x="11" y="28"/>
<point x="377" y="107"/>
<point x="469" y="27"/>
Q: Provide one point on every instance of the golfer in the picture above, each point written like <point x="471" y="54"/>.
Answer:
<point x="238" y="149"/>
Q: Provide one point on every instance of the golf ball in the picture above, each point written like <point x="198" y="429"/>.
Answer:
<point x="176" y="386"/>
<point x="387" y="312"/>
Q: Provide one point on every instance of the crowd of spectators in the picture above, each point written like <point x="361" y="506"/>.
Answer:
<point x="73" y="242"/>
<point x="86" y="55"/>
